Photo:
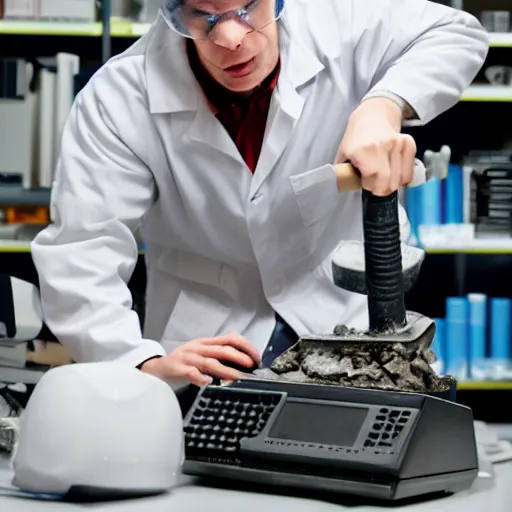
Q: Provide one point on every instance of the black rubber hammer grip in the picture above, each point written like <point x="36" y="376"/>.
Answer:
<point x="383" y="262"/>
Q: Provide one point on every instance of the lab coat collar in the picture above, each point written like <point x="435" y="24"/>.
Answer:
<point x="170" y="82"/>
<point x="172" y="87"/>
<point x="300" y="65"/>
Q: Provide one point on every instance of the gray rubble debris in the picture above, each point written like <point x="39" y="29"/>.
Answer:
<point x="394" y="367"/>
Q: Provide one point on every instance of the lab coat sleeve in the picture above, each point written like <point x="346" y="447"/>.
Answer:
<point x="426" y="53"/>
<point x="87" y="255"/>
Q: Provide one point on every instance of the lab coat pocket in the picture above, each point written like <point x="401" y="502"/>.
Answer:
<point x="199" y="269"/>
<point x="316" y="192"/>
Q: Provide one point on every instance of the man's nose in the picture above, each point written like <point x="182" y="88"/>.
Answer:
<point x="229" y="34"/>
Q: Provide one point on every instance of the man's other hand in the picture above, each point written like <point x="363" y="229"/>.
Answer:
<point x="374" y="144"/>
<point x="201" y="359"/>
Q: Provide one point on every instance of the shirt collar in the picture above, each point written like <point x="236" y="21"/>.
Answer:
<point x="217" y="96"/>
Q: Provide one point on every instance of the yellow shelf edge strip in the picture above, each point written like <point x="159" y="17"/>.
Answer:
<point x="21" y="247"/>
<point x="484" y="386"/>
<point x="119" y="28"/>
<point x="128" y="28"/>
<point x="470" y="251"/>
<point x="6" y="246"/>
<point x="50" y="28"/>
<point x="504" y="99"/>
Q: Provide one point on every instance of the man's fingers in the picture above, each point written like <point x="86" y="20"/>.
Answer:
<point x="376" y="173"/>
<point x="196" y="377"/>
<point x="369" y="170"/>
<point x="181" y="370"/>
<point x="227" y="353"/>
<point x="341" y="158"/>
<point x="384" y="174"/>
<point x="210" y="366"/>
<point x="396" y="167"/>
<point x="385" y="165"/>
<point x="236" y="341"/>
<point x="215" y="368"/>
<point x="409" y="151"/>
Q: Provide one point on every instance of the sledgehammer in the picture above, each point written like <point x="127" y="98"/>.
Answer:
<point x="382" y="267"/>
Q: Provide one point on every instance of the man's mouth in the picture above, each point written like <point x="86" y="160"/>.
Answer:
<point x="240" y="69"/>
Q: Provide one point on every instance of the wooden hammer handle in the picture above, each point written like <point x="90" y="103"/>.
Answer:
<point x="347" y="177"/>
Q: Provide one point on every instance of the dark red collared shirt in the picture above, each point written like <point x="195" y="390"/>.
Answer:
<point x="243" y="117"/>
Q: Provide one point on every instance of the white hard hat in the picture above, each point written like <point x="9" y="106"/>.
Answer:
<point x="99" y="427"/>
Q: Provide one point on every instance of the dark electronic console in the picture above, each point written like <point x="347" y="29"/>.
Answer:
<point x="381" y="445"/>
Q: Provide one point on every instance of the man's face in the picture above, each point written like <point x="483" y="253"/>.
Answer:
<point x="236" y="56"/>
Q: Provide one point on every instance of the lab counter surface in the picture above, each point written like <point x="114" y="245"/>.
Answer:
<point x="486" y="495"/>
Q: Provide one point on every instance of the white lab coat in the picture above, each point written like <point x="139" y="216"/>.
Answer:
<point x="226" y="249"/>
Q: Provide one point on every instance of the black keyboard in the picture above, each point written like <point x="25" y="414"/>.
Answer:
<point x="222" y="417"/>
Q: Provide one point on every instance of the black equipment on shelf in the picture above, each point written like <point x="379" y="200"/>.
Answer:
<point x="493" y="200"/>
<point x="491" y="192"/>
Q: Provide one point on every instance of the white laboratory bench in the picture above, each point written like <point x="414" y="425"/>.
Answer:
<point x="493" y="495"/>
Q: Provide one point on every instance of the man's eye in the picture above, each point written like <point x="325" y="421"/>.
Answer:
<point x="251" y="5"/>
<point x="202" y="14"/>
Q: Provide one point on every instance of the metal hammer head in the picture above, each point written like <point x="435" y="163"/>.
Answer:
<point x="348" y="266"/>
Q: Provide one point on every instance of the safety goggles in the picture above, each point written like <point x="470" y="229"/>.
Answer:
<point x="196" y="19"/>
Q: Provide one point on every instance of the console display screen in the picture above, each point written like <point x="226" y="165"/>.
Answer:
<point x="319" y="423"/>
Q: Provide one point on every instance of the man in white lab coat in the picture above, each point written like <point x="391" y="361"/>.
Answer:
<point x="216" y="135"/>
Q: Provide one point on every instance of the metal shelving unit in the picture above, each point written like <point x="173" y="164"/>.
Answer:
<point x="15" y="195"/>
<point x="107" y="29"/>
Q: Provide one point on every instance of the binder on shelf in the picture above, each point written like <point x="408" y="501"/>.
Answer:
<point x="430" y="203"/>
<point x="477" y="336"/>
<point x="454" y="192"/>
<point x="18" y="127"/>
<point x="413" y="198"/>
<point x="56" y="95"/>
<point x="13" y="79"/>
<point x="20" y="9"/>
<point x="474" y="340"/>
<point x="82" y="11"/>
<point x="68" y="65"/>
<point x="433" y="204"/>
<point x="47" y="99"/>
<point x="500" y="339"/>
<point x="456" y="361"/>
